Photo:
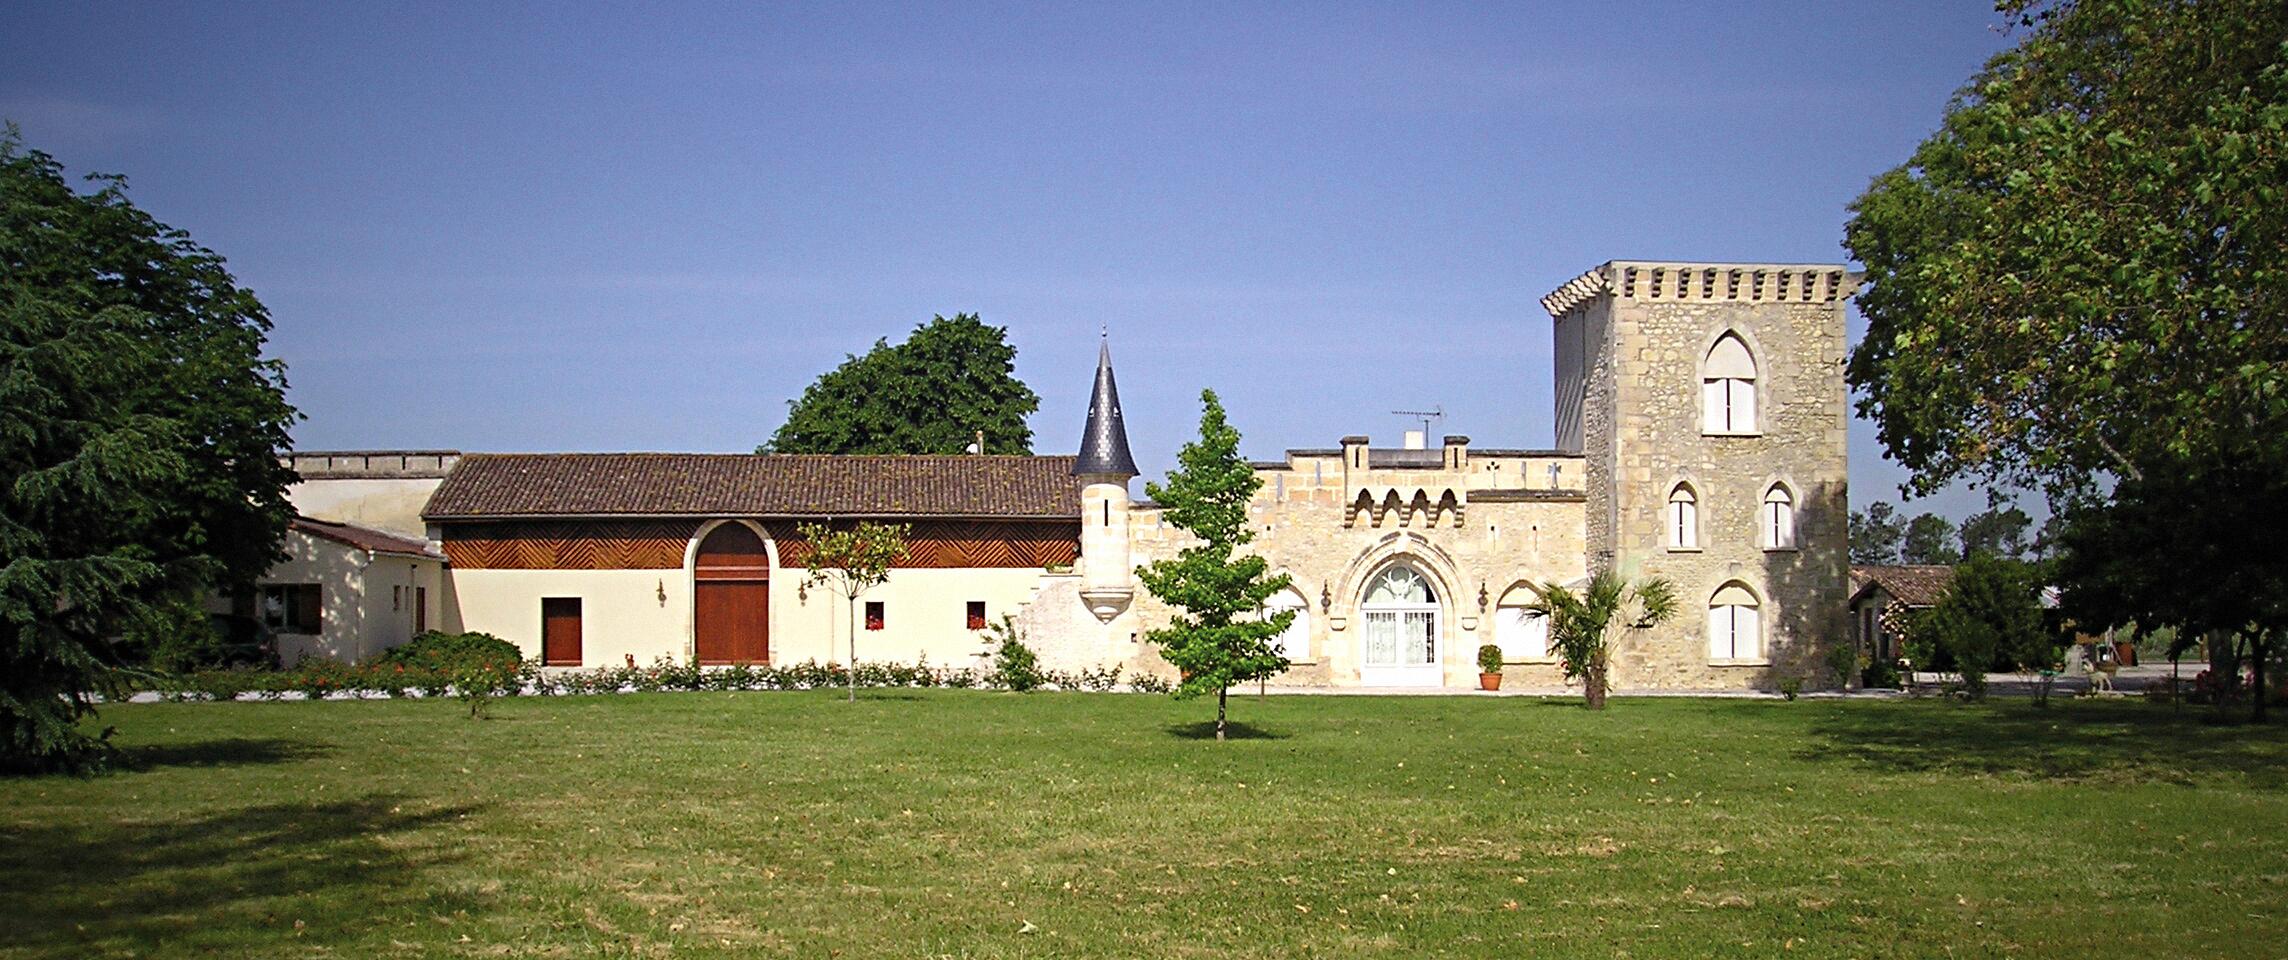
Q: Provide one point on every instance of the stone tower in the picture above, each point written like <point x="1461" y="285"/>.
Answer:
<point x="1707" y="401"/>
<point x="1105" y="467"/>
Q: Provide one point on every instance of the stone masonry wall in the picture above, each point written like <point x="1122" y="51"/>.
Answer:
<point x="1653" y="434"/>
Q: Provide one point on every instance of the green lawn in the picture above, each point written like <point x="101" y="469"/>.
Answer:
<point x="969" y="824"/>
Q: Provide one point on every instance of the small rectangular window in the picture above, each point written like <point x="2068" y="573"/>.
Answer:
<point x="293" y="608"/>
<point x="873" y="614"/>
<point x="976" y="615"/>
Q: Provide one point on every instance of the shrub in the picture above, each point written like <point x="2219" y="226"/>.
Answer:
<point x="449" y="652"/>
<point x="1147" y="683"/>
<point x="1014" y="665"/>
<point x="1880" y="675"/>
<point x="1791" y="687"/>
<point x="1842" y="662"/>
<point x="1489" y="659"/>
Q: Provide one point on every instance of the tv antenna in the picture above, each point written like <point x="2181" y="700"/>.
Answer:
<point x="1434" y="413"/>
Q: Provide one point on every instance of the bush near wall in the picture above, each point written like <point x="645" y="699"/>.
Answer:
<point x="438" y="671"/>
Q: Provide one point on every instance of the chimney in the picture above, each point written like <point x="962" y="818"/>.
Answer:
<point x="1457" y="452"/>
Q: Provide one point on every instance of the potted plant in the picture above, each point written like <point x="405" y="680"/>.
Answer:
<point x="1489" y="667"/>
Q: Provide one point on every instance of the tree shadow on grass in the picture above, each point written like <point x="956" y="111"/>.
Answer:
<point x="233" y="882"/>
<point x="1205" y="730"/>
<point x="227" y="752"/>
<point x="2117" y="741"/>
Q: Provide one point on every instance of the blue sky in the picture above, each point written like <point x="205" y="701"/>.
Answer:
<point x="561" y="226"/>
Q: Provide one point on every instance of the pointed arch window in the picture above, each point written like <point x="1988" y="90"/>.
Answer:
<point x="1683" y="521"/>
<point x="1294" y="643"/>
<point x="1728" y="388"/>
<point x="1735" y="624"/>
<point x="1776" y="519"/>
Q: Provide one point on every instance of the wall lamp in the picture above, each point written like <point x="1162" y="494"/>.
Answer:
<point x="1326" y="599"/>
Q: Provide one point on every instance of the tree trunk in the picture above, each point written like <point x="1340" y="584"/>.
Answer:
<point x="851" y="618"/>
<point x="1220" y="694"/>
<point x="2262" y="651"/>
<point x="1593" y="684"/>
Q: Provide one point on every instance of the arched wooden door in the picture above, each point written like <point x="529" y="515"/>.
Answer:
<point x="732" y="591"/>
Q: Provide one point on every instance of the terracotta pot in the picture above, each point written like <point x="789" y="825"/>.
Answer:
<point x="1489" y="681"/>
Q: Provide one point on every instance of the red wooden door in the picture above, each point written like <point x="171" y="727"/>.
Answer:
<point x="560" y="631"/>
<point x="731" y="610"/>
<point x="733" y="621"/>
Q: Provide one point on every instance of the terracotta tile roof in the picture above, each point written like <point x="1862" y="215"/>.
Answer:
<point x="1913" y="584"/>
<point x="487" y="485"/>
<point x="364" y="538"/>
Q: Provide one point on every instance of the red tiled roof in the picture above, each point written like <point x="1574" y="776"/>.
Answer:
<point x="1913" y="584"/>
<point x="490" y="485"/>
<point x="364" y="538"/>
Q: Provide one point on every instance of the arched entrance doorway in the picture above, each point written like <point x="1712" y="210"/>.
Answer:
<point x="731" y="589"/>
<point x="1400" y="617"/>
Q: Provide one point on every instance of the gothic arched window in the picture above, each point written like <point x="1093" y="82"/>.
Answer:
<point x="1728" y="388"/>
<point x="1683" y="520"/>
<point x="1776" y="520"/>
<point x="1735" y="626"/>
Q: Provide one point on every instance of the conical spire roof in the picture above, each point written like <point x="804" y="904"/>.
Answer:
<point x="1104" y="444"/>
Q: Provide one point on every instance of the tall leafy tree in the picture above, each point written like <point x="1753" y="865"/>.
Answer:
<point x="1930" y="539"/>
<point x="1997" y="530"/>
<point x="1220" y="638"/>
<point x="2082" y="274"/>
<point x="1581" y="625"/>
<point x="851" y="561"/>
<point x="140" y="429"/>
<point x="933" y="393"/>
<point x="1876" y="534"/>
<point x="2194" y="545"/>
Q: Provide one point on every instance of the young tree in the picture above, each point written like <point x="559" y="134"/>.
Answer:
<point x="1581" y="625"/>
<point x="2080" y="274"/>
<point x="140" y="429"/>
<point x="1875" y="534"/>
<point x="1930" y="539"/>
<point x="1219" y="639"/>
<point x="850" y="562"/>
<point x="1991" y="615"/>
<point x="931" y="394"/>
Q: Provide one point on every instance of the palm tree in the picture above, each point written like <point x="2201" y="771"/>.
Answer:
<point x="1581" y="625"/>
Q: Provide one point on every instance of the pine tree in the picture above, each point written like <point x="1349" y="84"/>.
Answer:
<point x="1220" y="639"/>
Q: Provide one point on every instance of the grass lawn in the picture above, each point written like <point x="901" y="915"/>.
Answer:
<point x="969" y="824"/>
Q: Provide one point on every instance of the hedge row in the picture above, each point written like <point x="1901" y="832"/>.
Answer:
<point x="318" y="678"/>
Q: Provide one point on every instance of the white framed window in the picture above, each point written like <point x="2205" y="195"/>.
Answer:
<point x="1728" y="388"/>
<point x="1735" y="625"/>
<point x="1294" y="643"/>
<point x="1683" y="521"/>
<point x="1401" y="627"/>
<point x="1776" y="518"/>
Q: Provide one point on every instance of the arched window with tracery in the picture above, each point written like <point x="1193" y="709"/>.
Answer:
<point x="1728" y="388"/>
<point x="1401" y="614"/>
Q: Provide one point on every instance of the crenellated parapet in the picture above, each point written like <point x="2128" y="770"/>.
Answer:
<point x="1753" y="283"/>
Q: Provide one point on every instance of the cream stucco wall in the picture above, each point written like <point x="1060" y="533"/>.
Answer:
<point x="623" y="613"/>
<point x="366" y="598"/>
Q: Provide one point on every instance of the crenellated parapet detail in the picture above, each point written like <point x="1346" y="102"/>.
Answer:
<point x="1706" y="282"/>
